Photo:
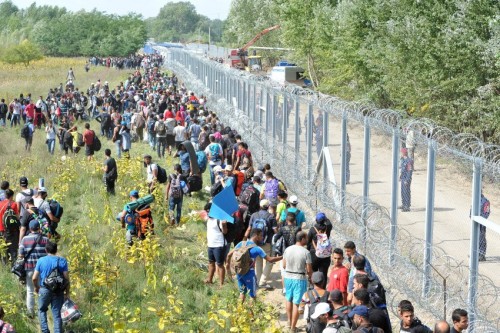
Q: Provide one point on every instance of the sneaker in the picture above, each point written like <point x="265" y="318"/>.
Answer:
<point x="283" y="291"/>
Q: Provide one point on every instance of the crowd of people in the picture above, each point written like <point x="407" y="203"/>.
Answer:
<point x="336" y="289"/>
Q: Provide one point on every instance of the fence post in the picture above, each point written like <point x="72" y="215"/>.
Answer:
<point x="274" y="111"/>
<point x="394" y="193"/>
<point x="366" y="171"/>
<point x="309" y="138"/>
<point x="248" y="99"/>
<point x="429" y="215"/>
<point x="284" y="122"/>
<point x="297" y="128"/>
<point x="343" y="164"/>
<point x="474" y="244"/>
<point x="325" y="138"/>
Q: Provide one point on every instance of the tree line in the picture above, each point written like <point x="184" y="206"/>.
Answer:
<point x="436" y="59"/>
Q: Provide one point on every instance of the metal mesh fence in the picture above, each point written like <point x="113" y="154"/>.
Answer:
<point x="421" y="254"/>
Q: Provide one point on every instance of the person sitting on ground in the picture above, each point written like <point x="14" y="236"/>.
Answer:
<point x="247" y="282"/>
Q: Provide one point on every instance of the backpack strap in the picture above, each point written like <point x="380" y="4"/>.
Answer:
<point x="325" y="296"/>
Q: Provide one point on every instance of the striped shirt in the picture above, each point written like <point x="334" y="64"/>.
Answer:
<point x="27" y="243"/>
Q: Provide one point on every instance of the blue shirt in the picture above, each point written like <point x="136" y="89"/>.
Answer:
<point x="299" y="218"/>
<point x="352" y="272"/>
<point x="184" y="157"/>
<point x="254" y="253"/>
<point x="46" y="264"/>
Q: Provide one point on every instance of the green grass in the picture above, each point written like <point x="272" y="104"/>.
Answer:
<point x="157" y="285"/>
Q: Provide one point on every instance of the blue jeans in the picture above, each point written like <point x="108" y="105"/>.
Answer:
<point x="161" y="144"/>
<point x="176" y="203"/>
<point x="46" y="298"/>
<point x="15" y="120"/>
<point x="50" y="145"/>
<point x="152" y="140"/>
<point x="118" y="144"/>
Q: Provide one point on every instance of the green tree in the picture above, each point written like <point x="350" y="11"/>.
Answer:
<point x="24" y="53"/>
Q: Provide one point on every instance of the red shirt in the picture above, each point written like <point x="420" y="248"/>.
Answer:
<point x="30" y="110"/>
<point x="3" y="208"/>
<point x="168" y="114"/>
<point x="339" y="278"/>
<point x="88" y="137"/>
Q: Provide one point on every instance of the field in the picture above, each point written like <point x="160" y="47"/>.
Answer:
<point x="156" y="285"/>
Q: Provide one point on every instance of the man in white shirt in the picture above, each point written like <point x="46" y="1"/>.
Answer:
<point x="217" y="247"/>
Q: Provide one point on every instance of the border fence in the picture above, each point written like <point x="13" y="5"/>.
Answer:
<point x="429" y="255"/>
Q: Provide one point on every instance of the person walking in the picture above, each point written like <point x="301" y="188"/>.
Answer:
<point x="110" y="172"/>
<point x="51" y="132"/>
<point x="405" y="176"/>
<point x="217" y="247"/>
<point x="44" y="267"/>
<point x="485" y="213"/>
<point x="9" y="225"/>
<point x="88" y="138"/>
<point x="27" y="132"/>
<point x="298" y="270"/>
<point x="32" y="248"/>
<point x="175" y="194"/>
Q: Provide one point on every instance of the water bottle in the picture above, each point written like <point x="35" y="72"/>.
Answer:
<point x="41" y="182"/>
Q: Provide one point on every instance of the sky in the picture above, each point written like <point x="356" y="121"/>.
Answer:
<point x="214" y="9"/>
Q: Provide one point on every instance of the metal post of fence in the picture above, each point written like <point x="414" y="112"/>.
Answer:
<point x="429" y="215"/>
<point x="394" y="193"/>
<point x="309" y="138"/>
<point x="343" y="164"/>
<point x="297" y="129"/>
<point x="248" y="100"/>
<point x="283" y="122"/>
<point x="268" y="111"/>
<point x="273" y="112"/>
<point x="325" y="137"/>
<point x="366" y="170"/>
<point x="474" y="244"/>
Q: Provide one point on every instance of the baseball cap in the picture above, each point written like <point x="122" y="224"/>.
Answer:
<point x="317" y="277"/>
<point x="228" y="168"/>
<point x="320" y="309"/>
<point x="293" y="199"/>
<point x="34" y="225"/>
<point x="359" y="310"/>
<point x="23" y="181"/>
<point x="42" y="189"/>
<point x="258" y="173"/>
<point x="320" y="217"/>
<point x="217" y="168"/>
<point x="264" y="203"/>
<point x="336" y="296"/>
<point x="134" y="193"/>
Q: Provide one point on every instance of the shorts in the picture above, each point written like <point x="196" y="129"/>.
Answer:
<point x="89" y="151"/>
<point x="171" y="140"/>
<point x="247" y="284"/>
<point x="295" y="289"/>
<point x="217" y="255"/>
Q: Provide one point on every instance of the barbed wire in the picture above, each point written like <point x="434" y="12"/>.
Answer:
<point x="399" y="263"/>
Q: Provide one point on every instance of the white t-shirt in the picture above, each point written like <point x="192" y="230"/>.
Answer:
<point x="296" y="258"/>
<point x="180" y="133"/>
<point x="215" y="237"/>
<point x="20" y="197"/>
<point x="150" y="170"/>
<point x="51" y="133"/>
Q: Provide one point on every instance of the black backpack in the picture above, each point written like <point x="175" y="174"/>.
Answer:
<point x="342" y="315"/>
<point x="161" y="177"/>
<point x="314" y="325"/>
<point x="233" y="229"/>
<point x="25" y="131"/>
<point x="96" y="145"/>
<point x="376" y="292"/>
<point x="55" y="281"/>
<point x="216" y="188"/>
<point x="250" y="198"/>
<point x="10" y="220"/>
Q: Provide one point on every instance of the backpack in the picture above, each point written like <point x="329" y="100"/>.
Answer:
<point x="314" y="325"/>
<point x="215" y="152"/>
<point x="144" y="222"/>
<point x="25" y="199"/>
<point x="241" y="258"/>
<point x="245" y="161"/>
<point x="239" y="180"/>
<point x="96" y="145"/>
<point x="161" y="128"/>
<point x="44" y="222"/>
<point x="139" y="121"/>
<point x="203" y="141"/>
<point x="342" y="315"/>
<point x="271" y="189"/>
<point x="323" y="246"/>
<point x="233" y="229"/>
<point x="194" y="183"/>
<point x="161" y="177"/>
<point x="56" y="208"/>
<point x="68" y="138"/>
<point x="55" y="281"/>
<point x="376" y="292"/>
<point x="485" y="207"/>
<point x="247" y="195"/>
<point x="260" y="223"/>
<point x="175" y="187"/>
<point x="278" y="244"/>
<point x="10" y="220"/>
<point x="25" y="131"/>
<point x="80" y="141"/>
<point x="151" y="127"/>
<point x="216" y="188"/>
<point x="202" y="160"/>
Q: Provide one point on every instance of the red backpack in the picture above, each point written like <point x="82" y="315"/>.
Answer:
<point x="240" y="179"/>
